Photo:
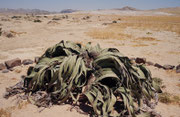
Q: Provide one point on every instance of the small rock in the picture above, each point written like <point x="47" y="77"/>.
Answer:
<point x="8" y="34"/>
<point x="55" y="18"/>
<point x="12" y="63"/>
<point x="149" y="63"/>
<point x="18" y="70"/>
<point x="158" y="65"/>
<point x="114" y="22"/>
<point x="140" y="60"/>
<point x="178" y="69"/>
<point x="168" y="67"/>
<point x="27" y="62"/>
<point x="5" y="71"/>
<point x="2" y="66"/>
<point x="37" y="20"/>
<point x="36" y="59"/>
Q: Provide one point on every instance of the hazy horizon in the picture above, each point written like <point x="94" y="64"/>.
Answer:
<point x="58" y="5"/>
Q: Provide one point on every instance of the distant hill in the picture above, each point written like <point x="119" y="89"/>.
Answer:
<point x="24" y="11"/>
<point x="127" y="8"/>
<point x="68" y="11"/>
<point x="173" y="10"/>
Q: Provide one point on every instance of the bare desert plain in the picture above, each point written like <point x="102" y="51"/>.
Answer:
<point x="152" y="35"/>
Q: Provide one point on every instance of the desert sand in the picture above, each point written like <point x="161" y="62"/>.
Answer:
<point x="151" y="35"/>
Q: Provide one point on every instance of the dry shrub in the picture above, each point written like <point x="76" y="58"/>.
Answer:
<point x="53" y="22"/>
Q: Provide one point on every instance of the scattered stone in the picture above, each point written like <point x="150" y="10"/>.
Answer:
<point x="178" y="69"/>
<point x="37" y="21"/>
<point x="27" y="61"/>
<point x="3" y="19"/>
<point x="2" y="66"/>
<point x="140" y="60"/>
<point x="149" y="63"/>
<point x="106" y="24"/>
<point x="55" y="18"/>
<point x="52" y="22"/>
<point x="168" y="67"/>
<point x="12" y="63"/>
<point x="36" y="59"/>
<point x="86" y="18"/>
<point x="158" y="65"/>
<point x="16" y="17"/>
<point x="23" y="77"/>
<point x="114" y="22"/>
<point x="149" y="33"/>
<point x="8" y="34"/>
<point x="5" y="71"/>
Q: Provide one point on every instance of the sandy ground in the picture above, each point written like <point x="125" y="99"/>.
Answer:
<point x="34" y="38"/>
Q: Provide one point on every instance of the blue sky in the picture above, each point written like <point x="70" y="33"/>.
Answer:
<point x="57" y="5"/>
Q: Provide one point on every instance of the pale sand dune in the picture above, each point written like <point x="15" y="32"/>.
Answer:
<point x="37" y="37"/>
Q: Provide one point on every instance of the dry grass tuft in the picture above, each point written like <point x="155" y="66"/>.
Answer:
<point x="22" y="104"/>
<point x="107" y="34"/>
<point x="173" y="52"/>
<point x="4" y="113"/>
<point x="7" y="111"/>
<point x="17" y="33"/>
<point x="168" y="98"/>
<point x="146" y="39"/>
<point x="156" y="23"/>
<point x="140" y="45"/>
